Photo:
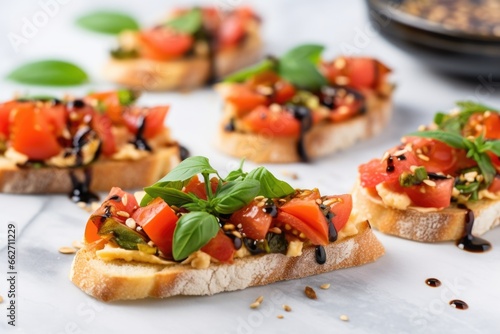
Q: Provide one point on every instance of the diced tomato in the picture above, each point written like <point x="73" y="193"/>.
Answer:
<point x="110" y="101"/>
<point x="254" y="221"/>
<point x="495" y="160"/>
<point x="375" y="171"/>
<point x="245" y="99"/>
<point x="116" y="201"/>
<point x="5" y="118"/>
<point x="154" y="120"/>
<point x="495" y="185"/>
<point x="164" y="44"/>
<point x="102" y="125"/>
<point x="263" y="120"/>
<point x="283" y="92"/>
<point x="492" y="126"/>
<point x="220" y="247"/>
<point x="196" y="187"/>
<point x="485" y="124"/>
<point x="158" y="220"/>
<point x="91" y="232"/>
<point x="231" y="31"/>
<point x="360" y="72"/>
<point x="427" y="196"/>
<point x="441" y="157"/>
<point x="342" y="208"/>
<point x="344" y="112"/>
<point x="306" y="217"/>
<point x="33" y="133"/>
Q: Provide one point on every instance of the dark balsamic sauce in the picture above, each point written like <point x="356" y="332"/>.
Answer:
<point x="304" y="116"/>
<point x="79" y="140"/>
<point x="330" y="96"/>
<point x="459" y="304"/>
<point x="81" y="188"/>
<point x="433" y="282"/>
<point x="434" y="176"/>
<point x="183" y="153"/>
<point x="320" y="254"/>
<point x="230" y="126"/>
<point x="139" y="141"/>
<point x="469" y="242"/>
<point x="390" y="164"/>
<point x="253" y="246"/>
<point x="270" y="208"/>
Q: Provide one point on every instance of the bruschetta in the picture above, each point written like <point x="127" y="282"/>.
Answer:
<point x="77" y="146"/>
<point x="298" y="107"/>
<point x="441" y="183"/>
<point x="196" y="233"/>
<point x="189" y="49"/>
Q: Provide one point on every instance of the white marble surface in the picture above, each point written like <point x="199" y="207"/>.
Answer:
<point x="388" y="296"/>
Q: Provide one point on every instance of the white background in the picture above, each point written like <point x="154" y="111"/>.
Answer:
<point x="388" y="296"/>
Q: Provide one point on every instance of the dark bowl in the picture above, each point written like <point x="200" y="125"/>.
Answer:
<point x="447" y="50"/>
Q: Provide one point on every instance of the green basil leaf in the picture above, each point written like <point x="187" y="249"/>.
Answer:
<point x="276" y="243"/>
<point x="36" y="98"/>
<point x="193" y="231"/>
<point x="270" y="186"/>
<point x="49" y="73"/>
<point x="236" y="174"/>
<point x="236" y="194"/>
<point x="306" y="52"/>
<point x="169" y="195"/>
<point x="188" y="23"/>
<point x="470" y="106"/>
<point x="127" y="97"/>
<point x="246" y="73"/>
<point x="173" y="185"/>
<point x="487" y="168"/>
<point x="107" y="22"/>
<point x="188" y="168"/>
<point x="493" y="146"/>
<point x="451" y="139"/>
<point x="301" y="73"/>
<point x="124" y="236"/>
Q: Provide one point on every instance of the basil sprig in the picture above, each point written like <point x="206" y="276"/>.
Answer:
<point x="298" y="66"/>
<point x="107" y="22"/>
<point x="455" y="122"/>
<point x="476" y="148"/>
<point x="189" y="22"/>
<point x="195" y="228"/>
<point x="49" y="73"/>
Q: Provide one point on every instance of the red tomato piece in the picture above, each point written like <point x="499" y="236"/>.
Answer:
<point x="245" y="99"/>
<point x="33" y="134"/>
<point x="254" y="221"/>
<point x="427" y="196"/>
<point x="102" y="125"/>
<point x="5" y="118"/>
<point x="91" y="234"/>
<point x="376" y="171"/>
<point x="441" y="157"/>
<point x="308" y="219"/>
<point x="111" y="102"/>
<point x="117" y="200"/>
<point x="263" y="120"/>
<point x="360" y="72"/>
<point x="342" y="208"/>
<point x="158" y="220"/>
<point x="231" y="31"/>
<point x="154" y="120"/>
<point x="164" y="44"/>
<point x="220" y="247"/>
<point x="495" y="185"/>
<point x="196" y="187"/>
<point x="283" y="92"/>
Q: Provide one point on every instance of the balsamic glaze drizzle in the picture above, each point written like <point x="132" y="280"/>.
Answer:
<point x="320" y="254"/>
<point x="433" y="282"/>
<point x="139" y="141"/>
<point x="183" y="153"/>
<point x="81" y="189"/>
<point x="469" y="242"/>
<point x="270" y="208"/>
<point x="304" y="116"/>
<point x="230" y="126"/>
<point x="390" y="164"/>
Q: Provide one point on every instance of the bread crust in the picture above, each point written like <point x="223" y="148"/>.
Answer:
<point x="117" y="279"/>
<point x="323" y="139"/>
<point x="105" y="174"/>
<point x="443" y="225"/>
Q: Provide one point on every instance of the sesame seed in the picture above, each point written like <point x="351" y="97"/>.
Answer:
<point x="339" y="63"/>
<point x="123" y="214"/>
<point x="295" y="232"/>
<point x="413" y="168"/>
<point x="1" y="299"/>
<point x="280" y="316"/>
<point x="310" y="293"/>
<point x="385" y="156"/>
<point x="288" y="227"/>
<point x="237" y="234"/>
<point x="400" y="152"/>
<point x="341" y="80"/>
<point x="130" y="222"/>
<point x="318" y="201"/>
<point x="275" y="230"/>
<point x="261" y="204"/>
<point x="125" y="200"/>
<point x="259" y="198"/>
<point x="343" y="110"/>
<point x="344" y="317"/>
<point x="423" y="157"/>
<point x="254" y="305"/>
<point x="67" y="250"/>
<point x="276" y="108"/>
<point x="325" y="286"/>
<point x="330" y="201"/>
<point x="82" y="205"/>
<point x="430" y="183"/>
<point x="302" y="235"/>
<point x="259" y="299"/>
<point x="151" y="243"/>
<point x="229" y="227"/>
<point x="287" y="308"/>
<point x="239" y="226"/>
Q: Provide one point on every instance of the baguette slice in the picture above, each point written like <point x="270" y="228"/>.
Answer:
<point x="118" y="279"/>
<point x="105" y="174"/>
<point x="426" y="226"/>
<point x="323" y="139"/>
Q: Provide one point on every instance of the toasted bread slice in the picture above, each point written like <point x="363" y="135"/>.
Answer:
<point x="424" y="225"/>
<point x="105" y="173"/>
<point x="323" y="139"/>
<point x="118" y="279"/>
